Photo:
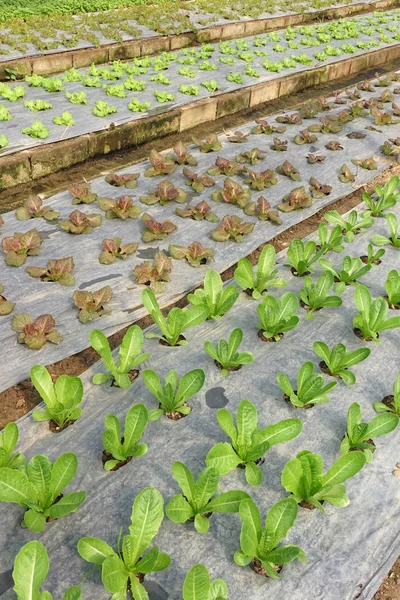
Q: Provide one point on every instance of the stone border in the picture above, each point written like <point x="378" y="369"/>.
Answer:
<point x="39" y="161"/>
<point x="56" y="62"/>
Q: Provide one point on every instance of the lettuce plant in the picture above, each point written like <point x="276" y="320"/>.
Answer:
<point x="53" y="84"/>
<point x="311" y="388"/>
<point x="266" y="128"/>
<point x="346" y="176"/>
<point x="249" y="443"/>
<point x="238" y="137"/>
<point x="265" y="276"/>
<point x="91" y="304"/>
<point x="36" y="130"/>
<point x="390" y="403"/>
<point x="279" y="145"/>
<point x="368" y="163"/>
<point x="177" y="321"/>
<point x="199" y="500"/>
<point x="359" y="436"/>
<point x="127" y="180"/>
<point x="102" y="109"/>
<point x="253" y="156"/>
<point x="12" y="94"/>
<point x="8" y="441"/>
<point x="3" y="141"/>
<point x="315" y="296"/>
<point x="196" y="181"/>
<point x="57" y="270"/>
<point x="113" y="249"/>
<point x="33" y="209"/>
<point x="194" y="254"/>
<point x="136" y="106"/>
<point x="319" y="190"/>
<point x="130" y="356"/>
<point x="31" y="566"/>
<point x="386" y="197"/>
<point x="277" y="316"/>
<point x="214" y="298"/>
<point x="303" y="477"/>
<point x="35" y="333"/>
<point x="19" y="246"/>
<point x="209" y="144"/>
<point x="288" y="170"/>
<point x="154" y="274"/>
<point x="259" y="545"/>
<point x="392" y="286"/>
<point x="371" y="318"/>
<point x="198" y="584"/>
<point x="337" y="362"/>
<point x="37" y="105"/>
<point x="262" y="180"/>
<point x="373" y="257"/>
<point x="182" y="156"/>
<point x="6" y="307"/>
<point x="119" y="450"/>
<point x="82" y="194"/>
<point x="44" y="501"/>
<point x="189" y="90"/>
<point x="330" y="240"/>
<point x="126" y="568"/>
<point x="62" y="399"/>
<point x="5" y="114"/>
<point x="226" y="355"/>
<point x="119" y="208"/>
<point x="163" y="97"/>
<point x="262" y="210"/>
<point x="304" y="137"/>
<point x="155" y="230"/>
<point x="349" y="273"/>
<point x="295" y="200"/>
<point x="302" y="255"/>
<point x="394" y="239"/>
<point x="223" y="166"/>
<point x="313" y="159"/>
<point x="232" y="228"/>
<point x="200" y="211"/>
<point x="160" y="165"/>
<point x="232" y="193"/>
<point x="173" y="395"/>
<point x="79" y="222"/>
<point x="211" y="86"/>
<point x="165" y="193"/>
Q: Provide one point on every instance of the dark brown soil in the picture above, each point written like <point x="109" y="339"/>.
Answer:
<point x="107" y="456"/>
<point x="206" y="515"/>
<point x="271" y="339"/>
<point x="308" y="505"/>
<point x="307" y="308"/>
<point x="257" y="566"/>
<point x="54" y="428"/>
<point x="48" y="519"/>
<point x="388" y="401"/>
<point x="390" y="588"/>
<point x="306" y="407"/>
<point x="181" y="338"/>
<point x="324" y="369"/>
<point x="359" y="334"/>
<point x="220" y="367"/>
<point x="175" y="415"/>
<point x="296" y="274"/>
<point x="132" y="374"/>
<point x="248" y="291"/>
<point x="367" y="442"/>
<point x="259" y="461"/>
<point x="364" y="259"/>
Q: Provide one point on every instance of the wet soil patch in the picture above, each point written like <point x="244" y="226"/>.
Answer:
<point x="215" y="398"/>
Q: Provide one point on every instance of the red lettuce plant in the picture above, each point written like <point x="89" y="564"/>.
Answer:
<point x="165" y="193"/>
<point x="182" y="156"/>
<point x="154" y="274"/>
<point x="223" y="166"/>
<point x="357" y="110"/>
<point x="288" y="170"/>
<point x="238" y="137"/>
<point x="385" y="96"/>
<point x="194" y="254"/>
<point x="91" y="304"/>
<point x="33" y="209"/>
<point x="314" y="158"/>
<point x="264" y="127"/>
<point x="113" y="249"/>
<point x="5" y="305"/>
<point x="232" y="228"/>
<point x="201" y="211"/>
<point x="198" y="182"/>
<point x="154" y="230"/>
<point x="260" y="181"/>
<point x="344" y="116"/>
<point x="279" y="145"/>
<point x="79" y="222"/>
<point x="304" y="137"/>
<point x="82" y="194"/>
<point x="58" y="270"/>
<point x="297" y="199"/>
<point x="319" y="190"/>
<point x="381" y="117"/>
<point x="346" y="176"/>
<point x="128" y="180"/>
<point x="252" y="156"/>
<point x="160" y="165"/>
<point x="119" y="208"/>
<point x="356" y="135"/>
<point x="396" y="109"/>
<point x="19" y="246"/>
<point x="367" y="163"/>
<point x="35" y="333"/>
<point x="210" y="144"/>
<point x="294" y="119"/>
<point x="262" y="210"/>
<point x="327" y="126"/>
<point x="334" y="145"/>
<point x="389" y="148"/>
<point x="365" y="85"/>
<point x="232" y="193"/>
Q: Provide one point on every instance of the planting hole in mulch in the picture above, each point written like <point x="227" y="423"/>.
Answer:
<point x="393" y="306"/>
<point x="206" y="515"/>
<point x="305" y="407"/>
<point x="248" y="291"/>
<point x="265" y="339"/>
<point x="176" y="415"/>
<point x="308" y="505"/>
<point x="107" y="456"/>
<point x="181" y="338"/>
<point x="259" y="461"/>
<point x="307" y="308"/>
<point x="296" y="274"/>
<point x="367" y="442"/>
<point x="257" y="566"/>
<point x="215" y="398"/>
<point x="324" y="369"/>
<point x="364" y="259"/>
<point x="388" y="401"/>
<point x="132" y="374"/>
<point x="220" y="367"/>
<point x="359" y="334"/>
<point x="54" y="428"/>
<point x="49" y="519"/>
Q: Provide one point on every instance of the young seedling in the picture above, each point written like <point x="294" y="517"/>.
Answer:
<point x="394" y="239"/>
<point x="6" y="307"/>
<point x="36" y="130"/>
<point x="319" y="190"/>
<point x="249" y="443"/>
<point x="371" y="318"/>
<point x="173" y="396"/>
<point x="200" y="211"/>
<point x="126" y="568"/>
<point x="315" y="296"/>
<point x="103" y="109"/>
<point x="198" y="500"/>
<point x="156" y="230"/>
<point x="359" y="436"/>
<point x="330" y="241"/>
<point x="311" y="388"/>
<point x="336" y="362"/>
<point x="262" y="210"/>
<point x="260" y="180"/>
<point x="223" y="166"/>
<point x="127" y="180"/>
<point x="33" y="209"/>
<point x="392" y="286"/>
<point x="19" y="246"/>
<point x="45" y="501"/>
<point x="91" y="304"/>
<point x="154" y="274"/>
<point x="82" y="194"/>
<point x="177" y="321"/>
<point x="118" y="450"/>
<point x="277" y="316"/>
<point x="372" y="257"/>
<point x="232" y="193"/>
<point x="198" y="585"/>
<point x="62" y="398"/>
<point x="350" y="271"/>
<point x="390" y="403"/>
<point x="253" y="156"/>
<point x="209" y="144"/>
<point x="350" y="227"/>
<point x="57" y="270"/>
<point x="165" y="193"/>
<point x="8" y="441"/>
<point x="79" y="222"/>
<point x="160" y="165"/>
<point x="288" y="170"/>
<point x="265" y="276"/>
<point x="386" y="198"/>
<point x="226" y="355"/>
<point x="232" y="228"/>
<point x="130" y="356"/>
<point x="303" y="477"/>
<point x="296" y="200"/>
<point x="259" y="545"/>
<point x="302" y="255"/>
<point x="214" y="298"/>
<point x="194" y="254"/>
<point x="113" y="249"/>
<point x="119" y="208"/>
<point x="182" y="156"/>
<point x="198" y="182"/>
<point x="35" y="333"/>
<point x="31" y="566"/>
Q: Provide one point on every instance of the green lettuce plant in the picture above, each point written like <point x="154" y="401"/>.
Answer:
<point x="36" y="130"/>
<point x="65" y="119"/>
<point x="126" y="568"/>
<point x="311" y="388"/>
<point x="387" y="196"/>
<point x="394" y="239"/>
<point x="277" y="316"/>
<point x="303" y="477"/>
<point x="249" y="442"/>
<point x="352" y="225"/>
<point x="130" y="356"/>
<point x="259" y="545"/>
<point x="39" y="489"/>
<point x="198" y="585"/>
<point x="198" y="500"/>
<point x="226" y="355"/>
<point x="103" y="109"/>
<point x="316" y="296"/>
<point x="163" y="97"/>
<point x="392" y="286"/>
<point x="302" y="255"/>
<point x="37" y="105"/>
<point x="76" y="97"/>
<point x="214" y="298"/>
<point x="119" y="450"/>
<point x="390" y="403"/>
<point x="337" y="362"/>
<point x="265" y="276"/>
<point x="8" y="441"/>
<point x="173" y="395"/>
<point x="371" y="318"/>
<point x="3" y="141"/>
<point x="349" y="273"/>
<point x="62" y="398"/>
